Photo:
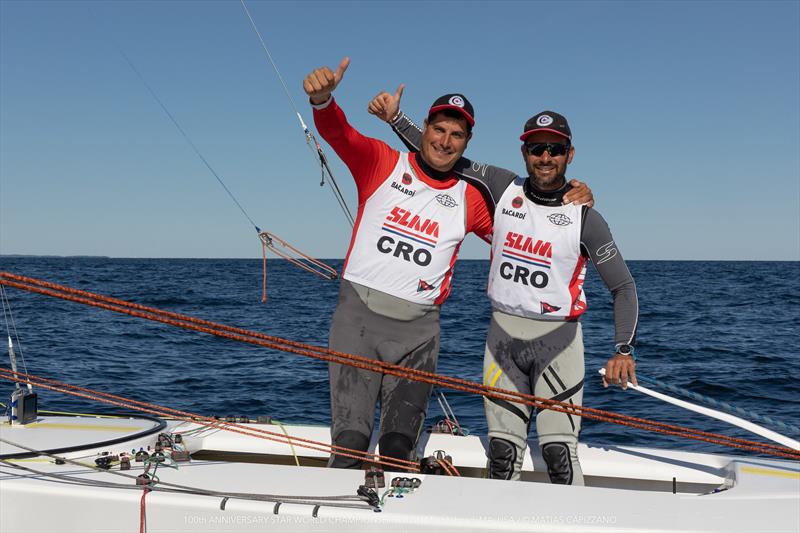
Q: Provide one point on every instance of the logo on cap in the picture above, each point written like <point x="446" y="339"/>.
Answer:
<point x="544" y="120"/>
<point x="457" y="101"/>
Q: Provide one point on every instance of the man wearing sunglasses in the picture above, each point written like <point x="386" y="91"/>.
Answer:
<point x="539" y="252"/>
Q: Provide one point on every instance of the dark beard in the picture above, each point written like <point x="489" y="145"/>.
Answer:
<point x="546" y="184"/>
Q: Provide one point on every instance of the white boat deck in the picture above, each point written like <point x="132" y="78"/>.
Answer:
<point x="629" y="490"/>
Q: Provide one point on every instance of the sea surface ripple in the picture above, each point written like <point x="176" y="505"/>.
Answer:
<point x="720" y="328"/>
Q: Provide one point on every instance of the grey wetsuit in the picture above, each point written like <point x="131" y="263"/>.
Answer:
<point x="541" y="356"/>
<point x="377" y="325"/>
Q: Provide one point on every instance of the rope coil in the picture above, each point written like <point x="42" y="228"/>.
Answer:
<point x="311" y="140"/>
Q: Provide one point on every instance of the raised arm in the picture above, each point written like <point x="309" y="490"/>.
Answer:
<point x="492" y="181"/>
<point x="598" y="244"/>
<point x="369" y="160"/>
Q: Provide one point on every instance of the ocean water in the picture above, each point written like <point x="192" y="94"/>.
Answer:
<point x="724" y="329"/>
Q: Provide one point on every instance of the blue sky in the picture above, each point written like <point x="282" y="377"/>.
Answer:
<point x="686" y="117"/>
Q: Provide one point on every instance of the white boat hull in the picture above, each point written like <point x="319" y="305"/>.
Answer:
<point x="628" y="489"/>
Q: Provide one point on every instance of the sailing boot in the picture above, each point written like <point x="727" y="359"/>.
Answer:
<point x="352" y="440"/>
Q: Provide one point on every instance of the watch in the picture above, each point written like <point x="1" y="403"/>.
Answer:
<point x="625" y="349"/>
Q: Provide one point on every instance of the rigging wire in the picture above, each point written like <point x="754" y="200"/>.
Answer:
<point x="209" y="422"/>
<point x="8" y="318"/>
<point x="328" y="501"/>
<point x="186" y="137"/>
<point x="328" y="272"/>
<point x="74" y="480"/>
<point x="283" y="249"/>
<point x="450" y="420"/>
<point x="311" y="139"/>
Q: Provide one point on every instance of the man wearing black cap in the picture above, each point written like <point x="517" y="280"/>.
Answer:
<point x="413" y="213"/>
<point x="539" y="253"/>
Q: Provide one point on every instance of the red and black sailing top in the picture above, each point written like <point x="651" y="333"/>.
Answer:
<point x="409" y="225"/>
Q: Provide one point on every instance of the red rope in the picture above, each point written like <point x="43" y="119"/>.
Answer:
<point x="567" y="408"/>
<point x="319" y="352"/>
<point x="264" y="290"/>
<point x="306" y="262"/>
<point x="142" y="512"/>
<point x="120" y="401"/>
<point x="448" y="467"/>
<point x="317" y="267"/>
<point x="278" y="343"/>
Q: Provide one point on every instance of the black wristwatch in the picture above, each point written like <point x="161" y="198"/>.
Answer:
<point x="625" y="349"/>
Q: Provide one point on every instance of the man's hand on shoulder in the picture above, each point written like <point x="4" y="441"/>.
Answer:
<point x="579" y="194"/>
<point x="386" y="106"/>
<point x="322" y="81"/>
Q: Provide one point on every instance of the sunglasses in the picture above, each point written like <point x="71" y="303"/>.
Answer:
<point x="554" y="149"/>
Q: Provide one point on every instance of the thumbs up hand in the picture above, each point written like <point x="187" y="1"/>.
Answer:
<point x="385" y="106"/>
<point x="322" y="81"/>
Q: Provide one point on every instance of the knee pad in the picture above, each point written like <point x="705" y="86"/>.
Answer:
<point x="396" y="446"/>
<point x="348" y="439"/>
<point x="559" y="463"/>
<point x="502" y="457"/>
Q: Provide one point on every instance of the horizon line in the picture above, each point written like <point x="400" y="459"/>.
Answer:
<point x="87" y="256"/>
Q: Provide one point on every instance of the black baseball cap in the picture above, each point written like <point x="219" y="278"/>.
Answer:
<point x="547" y="121"/>
<point x="456" y="102"/>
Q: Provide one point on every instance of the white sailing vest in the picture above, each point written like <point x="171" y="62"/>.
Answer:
<point x="537" y="268"/>
<point x="407" y="237"/>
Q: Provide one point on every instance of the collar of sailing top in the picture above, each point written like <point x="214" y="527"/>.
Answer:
<point x="548" y="198"/>
<point x="441" y="178"/>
